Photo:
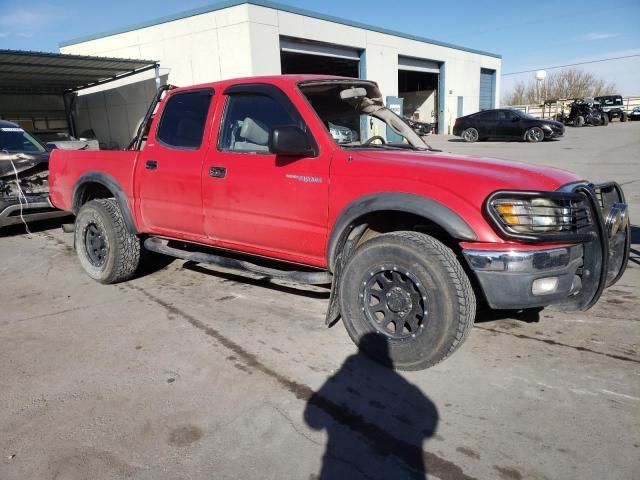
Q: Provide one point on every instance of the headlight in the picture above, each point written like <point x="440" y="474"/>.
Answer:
<point x="533" y="215"/>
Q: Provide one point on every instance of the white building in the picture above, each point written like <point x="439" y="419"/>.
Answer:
<point x="437" y="81"/>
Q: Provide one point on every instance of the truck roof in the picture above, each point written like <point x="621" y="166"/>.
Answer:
<point x="291" y="79"/>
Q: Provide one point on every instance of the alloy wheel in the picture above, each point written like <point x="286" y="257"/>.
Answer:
<point x="394" y="302"/>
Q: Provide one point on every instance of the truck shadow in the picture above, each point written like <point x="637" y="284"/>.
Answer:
<point x="375" y="420"/>
<point x="265" y="282"/>
<point x="528" y="315"/>
<point x="34" y="226"/>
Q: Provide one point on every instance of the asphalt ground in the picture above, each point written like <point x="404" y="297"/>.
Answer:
<point x="190" y="372"/>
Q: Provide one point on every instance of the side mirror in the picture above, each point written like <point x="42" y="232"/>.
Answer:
<point x="291" y="142"/>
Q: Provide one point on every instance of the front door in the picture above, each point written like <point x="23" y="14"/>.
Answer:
<point x="259" y="202"/>
<point x="169" y="169"/>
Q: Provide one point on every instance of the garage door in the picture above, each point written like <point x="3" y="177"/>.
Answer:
<point x="418" y="65"/>
<point x="487" y="89"/>
<point x="301" y="56"/>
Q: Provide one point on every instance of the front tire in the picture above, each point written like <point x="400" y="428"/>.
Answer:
<point x="534" y="135"/>
<point x="407" y="290"/>
<point x="623" y="118"/>
<point x="470" y="135"/>
<point x="107" y="251"/>
<point x="579" y="121"/>
<point x="605" y="120"/>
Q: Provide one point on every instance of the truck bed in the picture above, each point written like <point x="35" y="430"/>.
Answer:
<point x="66" y="167"/>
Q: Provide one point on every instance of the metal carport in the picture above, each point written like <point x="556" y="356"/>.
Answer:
<point x="57" y="74"/>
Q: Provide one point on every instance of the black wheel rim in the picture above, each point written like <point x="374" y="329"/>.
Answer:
<point x="95" y="245"/>
<point x="394" y="302"/>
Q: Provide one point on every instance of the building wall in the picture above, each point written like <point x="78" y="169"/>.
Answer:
<point x="244" y="40"/>
<point x="198" y="49"/>
<point x="462" y="68"/>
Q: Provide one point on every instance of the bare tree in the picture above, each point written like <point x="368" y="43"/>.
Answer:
<point x="567" y="83"/>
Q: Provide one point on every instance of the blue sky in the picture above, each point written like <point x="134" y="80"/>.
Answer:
<point x="530" y="35"/>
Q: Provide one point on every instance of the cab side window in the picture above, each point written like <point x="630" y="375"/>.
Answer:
<point x="248" y="122"/>
<point x="183" y="120"/>
<point x="486" y="117"/>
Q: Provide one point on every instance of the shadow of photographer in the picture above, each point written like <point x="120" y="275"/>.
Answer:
<point x="376" y="421"/>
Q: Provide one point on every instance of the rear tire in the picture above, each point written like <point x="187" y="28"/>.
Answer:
<point x="534" y="135"/>
<point x="623" y="118"/>
<point x="426" y="306"/>
<point x="470" y="135"/>
<point x="579" y="121"/>
<point x="107" y="251"/>
<point x="605" y="120"/>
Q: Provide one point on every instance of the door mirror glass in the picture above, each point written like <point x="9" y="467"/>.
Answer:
<point x="291" y="142"/>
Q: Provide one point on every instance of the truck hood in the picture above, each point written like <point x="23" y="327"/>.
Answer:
<point x="465" y="173"/>
<point x="22" y="162"/>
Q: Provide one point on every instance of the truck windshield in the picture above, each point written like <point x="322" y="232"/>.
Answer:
<point x="16" y="140"/>
<point x="355" y="116"/>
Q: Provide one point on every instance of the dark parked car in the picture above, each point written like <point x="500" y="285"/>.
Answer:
<point x="635" y="114"/>
<point x="24" y="177"/>
<point x="506" y="123"/>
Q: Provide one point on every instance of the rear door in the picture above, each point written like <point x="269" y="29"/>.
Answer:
<point x="254" y="200"/>
<point x="168" y="171"/>
<point x="509" y="125"/>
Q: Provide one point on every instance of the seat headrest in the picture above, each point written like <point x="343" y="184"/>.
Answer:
<point x="254" y="131"/>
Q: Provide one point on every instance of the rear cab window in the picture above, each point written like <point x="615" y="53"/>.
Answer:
<point x="610" y="101"/>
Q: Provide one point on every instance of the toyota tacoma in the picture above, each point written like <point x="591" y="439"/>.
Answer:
<point x="246" y="174"/>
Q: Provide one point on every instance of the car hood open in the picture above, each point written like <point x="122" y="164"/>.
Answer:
<point x="23" y="162"/>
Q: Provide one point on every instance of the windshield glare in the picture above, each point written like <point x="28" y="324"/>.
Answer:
<point x="354" y="120"/>
<point x="16" y="140"/>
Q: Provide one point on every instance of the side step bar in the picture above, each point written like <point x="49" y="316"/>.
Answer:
<point x="159" y="245"/>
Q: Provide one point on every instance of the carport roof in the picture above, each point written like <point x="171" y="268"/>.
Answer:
<point x="57" y="73"/>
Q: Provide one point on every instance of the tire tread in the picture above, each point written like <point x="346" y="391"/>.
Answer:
<point x="127" y="245"/>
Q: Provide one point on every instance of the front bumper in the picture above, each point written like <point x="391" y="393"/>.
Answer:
<point x="34" y="208"/>
<point x="578" y="273"/>
<point x="507" y="277"/>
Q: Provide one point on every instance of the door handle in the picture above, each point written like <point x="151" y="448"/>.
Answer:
<point x="151" y="164"/>
<point x="217" y="172"/>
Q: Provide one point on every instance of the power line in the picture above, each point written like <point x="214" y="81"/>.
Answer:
<point x="572" y="64"/>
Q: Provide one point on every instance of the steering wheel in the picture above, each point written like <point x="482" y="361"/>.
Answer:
<point x="373" y="139"/>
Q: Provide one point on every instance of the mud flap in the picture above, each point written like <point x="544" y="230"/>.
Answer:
<point x="333" y="312"/>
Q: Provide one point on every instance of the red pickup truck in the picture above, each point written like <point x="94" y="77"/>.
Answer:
<point x="292" y="177"/>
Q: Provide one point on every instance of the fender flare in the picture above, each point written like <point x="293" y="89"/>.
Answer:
<point x="110" y="184"/>
<point x="430" y="209"/>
